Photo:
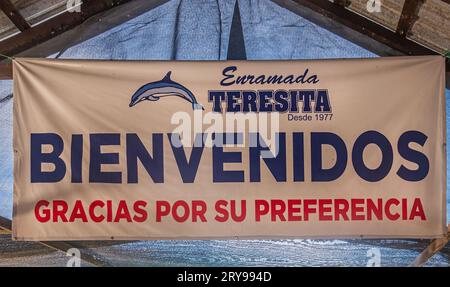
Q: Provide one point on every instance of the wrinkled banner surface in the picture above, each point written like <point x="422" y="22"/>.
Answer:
<point x="241" y="149"/>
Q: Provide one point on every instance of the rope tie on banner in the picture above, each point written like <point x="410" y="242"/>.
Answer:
<point x="7" y="57"/>
<point x="447" y="54"/>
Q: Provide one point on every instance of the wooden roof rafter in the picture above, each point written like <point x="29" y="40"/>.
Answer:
<point x="55" y="26"/>
<point x="14" y="15"/>
<point x="6" y="71"/>
<point x="410" y="14"/>
<point x="336" y="17"/>
<point x="34" y="41"/>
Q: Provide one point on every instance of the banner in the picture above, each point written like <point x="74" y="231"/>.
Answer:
<point x="129" y="150"/>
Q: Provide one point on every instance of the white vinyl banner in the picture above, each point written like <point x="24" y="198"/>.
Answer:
<point x="132" y="150"/>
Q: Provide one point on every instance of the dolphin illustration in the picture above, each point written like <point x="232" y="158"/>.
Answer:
<point x="164" y="88"/>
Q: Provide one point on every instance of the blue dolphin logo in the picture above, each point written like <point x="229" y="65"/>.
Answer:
<point x="164" y="88"/>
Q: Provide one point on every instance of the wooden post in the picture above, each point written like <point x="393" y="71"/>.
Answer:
<point x="5" y="71"/>
<point x="435" y="246"/>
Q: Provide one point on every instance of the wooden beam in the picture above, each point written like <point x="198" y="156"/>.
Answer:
<point x="365" y="26"/>
<point x="64" y="246"/>
<point x="410" y="14"/>
<point x="55" y="26"/>
<point x="5" y="71"/>
<point x="343" y="3"/>
<point x="435" y="246"/>
<point x="14" y="15"/>
<point x="357" y="29"/>
<point x="87" y="30"/>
